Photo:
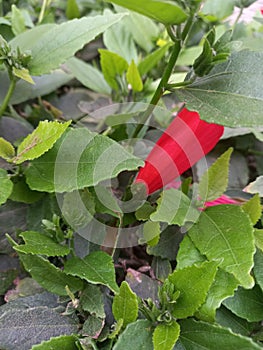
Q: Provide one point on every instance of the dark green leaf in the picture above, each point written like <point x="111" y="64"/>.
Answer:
<point x="137" y="335"/>
<point x="200" y="335"/>
<point x="258" y="268"/>
<point x="150" y="61"/>
<point x="96" y="268"/>
<point x="166" y="12"/>
<point x="49" y="276"/>
<point x="247" y="304"/>
<point x="38" y="243"/>
<point x="91" y="300"/>
<point x="230" y="93"/>
<point x="72" y="10"/>
<point x="92" y="327"/>
<point x="220" y="233"/>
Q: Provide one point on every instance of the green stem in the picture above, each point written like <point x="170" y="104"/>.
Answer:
<point x="45" y="3"/>
<point x="178" y="44"/>
<point x="237" y="19"/>
<point x="8" y="94"/>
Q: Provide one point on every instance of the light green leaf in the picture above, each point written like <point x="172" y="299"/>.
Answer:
<point x="197" y="335"/>
<point x="49" y="276"/>
<point x="214" y="181"/>
<point x="17" y="20"/>
<point x="91" y="300"/>
<point x="216" y="9"/>
<point x="152" y="59"/>
<point x="61" y="42"/>
<point x="193" y="282"/>
<point x="174" y="207"/>
<point x="151" y="233"/>
<point x="134" y="78"/>
<point x="119" y="40"/>
<point x="6" y="186"/>
<point x="79" y="159"/>
<point x="65" y="342"/>
<point x="40" y="140"/>
<point x="125" y="305"/>
<point x="247" y="304"/>
<point x="230" y="93"/>
<point x="220" y="233"/>
<point x="253" y="208"/>
<point x="165" y="336"/>
<point x="112" y="66"/>
<point x="137" y="335"/>
<point x="258" y="268"/>
<point x="38" y="243"/>
<point x="166" y="12"/>
<point x="256" y="186"/>
<point x="259" y="238"/>
<point x="72" y="10"/>
<point x="96" y="268"/>
<point x="88" y="75"/>
<point x="223" y="287"/>
<point x="7" y="150"/>
<point x="23" y="73"/>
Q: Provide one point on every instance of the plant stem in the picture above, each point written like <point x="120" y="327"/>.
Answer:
<point x="45" y="3"/>
<point x="178" y="44"/>
<point x="237" y="19"/>
<point x="9" y="93"/>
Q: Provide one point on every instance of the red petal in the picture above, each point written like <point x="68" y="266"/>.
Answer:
<point x="184" y="142"/>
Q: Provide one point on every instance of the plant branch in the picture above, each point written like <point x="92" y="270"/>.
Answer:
<point x="9" y="93"/>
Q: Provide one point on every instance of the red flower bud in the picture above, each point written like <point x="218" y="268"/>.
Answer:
<point x="184" y="142"/>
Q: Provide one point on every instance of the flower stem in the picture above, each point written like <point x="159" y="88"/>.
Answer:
<point x="8" y="94"/>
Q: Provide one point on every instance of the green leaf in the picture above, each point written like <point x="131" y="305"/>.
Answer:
<point x="119" y="40"/>
<point x="174" y="207"/>
<point x="17" y="20"/>
<point x="151" y="233"/>
<point x="247" y="304"/>
<point x="49" y="276"/>
<point x="214" y="181"/>
<point x="38" y="243"/>
<point x="151" y="60"/>
<point x="161" y="268"/>
<point x="259" y="238"/>
<point x="92" y="326"/>
<point x="256" y="186"/>
<point x="7" y="150"/>
<point x="112" y="66"/>
<point x="96" y="268"/>
<point x="23" y="73"/>
<point x="61" y="42"/>
<point x="165" y="336"/>
<point x="91" y="300"/>
<point x="125" y="305"/>
<point x="258" y="268"/>
<point x="188" y="254"/>
<point x="164" y="11"/>
<point x="218" y="9"/>
<point x="134" y="78"/>
<point x="193" y="282"/>
<point x="223" y="287"/>
<point x="65" y="342"/>
<point x="23" y="328"/>
<point x="230" y="92"/>
<point x="72" y="10"/>
<point x="225" y="232"/>
<point x="253" y="208"/>
<point x="137" y="335"/>
<point x="40" y="140"/>
<point x="197" y="335"/>
<point x="6" y="186"/>
<point x="22" y="193"/>
<point x="77" y="161"/>
<point x="88" y="75"/>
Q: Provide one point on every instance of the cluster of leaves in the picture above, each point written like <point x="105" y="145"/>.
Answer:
<point x="198" y="270"/>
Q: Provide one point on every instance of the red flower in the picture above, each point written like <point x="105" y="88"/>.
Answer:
<point x="261" y="10"/>
<point x="221" y="200"/>
<point x="184" y="142"/>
